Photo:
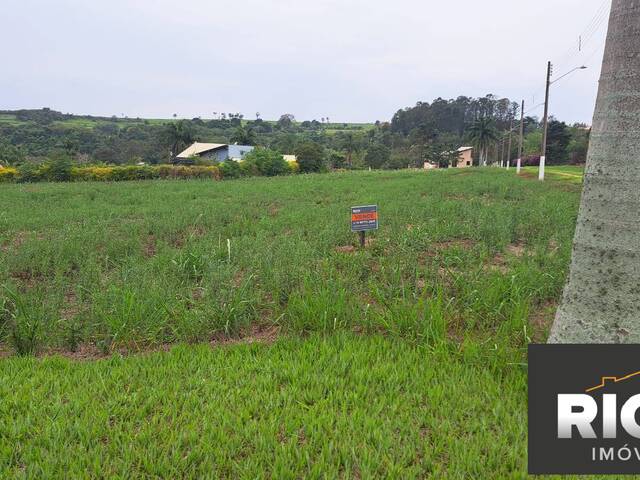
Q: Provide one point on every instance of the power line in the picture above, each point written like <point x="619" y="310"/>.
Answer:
<point x="586" y="36"/>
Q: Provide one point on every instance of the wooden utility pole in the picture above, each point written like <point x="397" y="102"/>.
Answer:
<point x="521" y="138"/>
<point x="543" y="157"/>
<point x="502" y="154"/>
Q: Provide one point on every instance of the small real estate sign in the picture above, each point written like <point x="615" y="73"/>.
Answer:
<point x="364" y="218"/>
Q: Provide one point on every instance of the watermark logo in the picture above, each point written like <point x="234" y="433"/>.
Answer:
<point x="584" y="409"/>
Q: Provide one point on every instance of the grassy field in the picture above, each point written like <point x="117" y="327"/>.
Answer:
<point x="566" y="173"/>
<point x="401" y="360"/>
<point x="340" y="406"/>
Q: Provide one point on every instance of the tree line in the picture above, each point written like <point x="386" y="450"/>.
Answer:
<point x="425" y="132"/>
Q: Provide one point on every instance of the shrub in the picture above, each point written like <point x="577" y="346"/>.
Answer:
<point x="230" y="169"/>
<point x="59" y="169"/>
<point x="294" y="167"/>
<point x="264" y="161"/>
<point x="30" y="172"/>
<point x="8" y="174"/>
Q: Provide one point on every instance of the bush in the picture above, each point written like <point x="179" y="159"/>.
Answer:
<point x="144" y="172"/>
<point x="8" y="174"/>
<point x="230" y="169"/>
<point x="266" y="162"/>
<point x="30" y="172"/>
<point x="61" y="170"/>
<point x="294" y="167"/>
<point x="58" y="170"/>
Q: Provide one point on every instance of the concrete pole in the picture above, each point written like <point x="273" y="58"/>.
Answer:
<point x="509" y="149"/>
<point x="543" y="157"/>
<point x="521" y="139"/>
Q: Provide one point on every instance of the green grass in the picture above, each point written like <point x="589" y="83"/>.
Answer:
<point x="566" y="173"/>
<point x="323" y="407"/>
<point x="9" y="119"/>
<point x="141" y="264"/>
<point x="403" y="360"/>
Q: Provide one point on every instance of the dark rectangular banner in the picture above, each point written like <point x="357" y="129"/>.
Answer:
<point x="583" y="409"/>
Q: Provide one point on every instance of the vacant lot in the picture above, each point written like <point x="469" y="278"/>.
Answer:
<point x="404" y="359"/>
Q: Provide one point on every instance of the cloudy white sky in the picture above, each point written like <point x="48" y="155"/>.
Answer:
<point x="349" y="60"/>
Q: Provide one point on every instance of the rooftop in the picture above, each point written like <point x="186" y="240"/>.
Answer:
<point x="198" y="148"/>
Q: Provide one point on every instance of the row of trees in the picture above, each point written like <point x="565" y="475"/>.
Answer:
<point x="426" y="132"/>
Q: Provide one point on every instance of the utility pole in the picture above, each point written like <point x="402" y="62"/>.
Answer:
<point x="543" y="157"/>
<point x="502" y="154"/>
<point x="509" y="150"/>
<point x="521" y="138"/>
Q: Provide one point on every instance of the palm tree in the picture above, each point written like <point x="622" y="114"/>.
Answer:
<point x="178" y="135"/>
<point x="483" y="132"/>
<point x="601" y="302"/>
<point x="351" y="146"/>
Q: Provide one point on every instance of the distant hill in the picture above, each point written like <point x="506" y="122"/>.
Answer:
<point x="37" y="133"/>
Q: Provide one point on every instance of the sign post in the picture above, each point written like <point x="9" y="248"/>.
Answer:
<point x="363" y="219"/>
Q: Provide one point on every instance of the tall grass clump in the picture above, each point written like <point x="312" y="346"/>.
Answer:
<point x="22" y="322"/>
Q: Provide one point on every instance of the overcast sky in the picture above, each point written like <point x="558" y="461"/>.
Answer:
<point x="349" y="60"/>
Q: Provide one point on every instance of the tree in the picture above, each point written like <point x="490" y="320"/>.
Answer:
<point x="602" y="297"/>
<point x="377" y="156"/>
<point x="558" y="140"/>
<point x="310" y="157"/>
<point x="350" y="146"/>
<point x="10" y="154"/>
<point x="579" y="145"/>
<point x="286" y="121"/>
<point x="178" y="135"/>
<point x="243" y="136"/>
<point x="263" y="161"/>
<point x="483" y="133"/>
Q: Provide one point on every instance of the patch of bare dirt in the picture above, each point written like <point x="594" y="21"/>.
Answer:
<point x="16" y="242"/>
<point x="198" y="293"/>
<point x="196" y="231"/>
<point x="438" y="247"/>
<point x="28" y="279"/>
<point x="274" y="209"/>
<point x="91" y="352"/>
<point x="180" y="238"/>
<point x="149" y="249"/>
<point x="447" y="276"/>
<point x="71" y="306"/>
<point x="517" y="249"/>
<point x="498" y="264"/>
<point x="541" y="320"/>
<point x="238" y="277"/>
<point x="456" y="196"/>
<point x="368" y="242"/>
<point x="253" y="334"/>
